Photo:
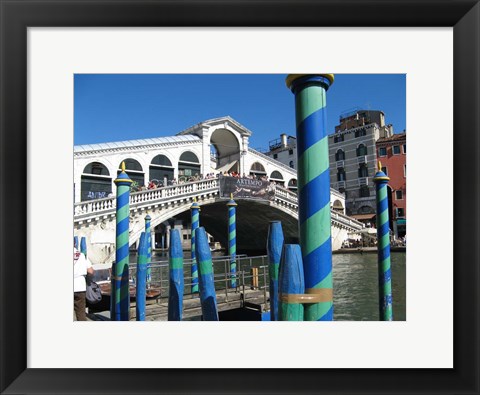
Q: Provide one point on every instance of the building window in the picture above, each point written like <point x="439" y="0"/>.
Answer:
<point x="275" y="156"/>
<point x="185" y="237"/>
<point x="382" y="151"/>
<point x="385" y="170"/>
<point x="396" y="150"/>
<point x="341" y="175"/>
<point x="360" y="132"/>
<point x="398" y="195"/>
<point x="291" y="164"/>
<point x="290" y="152"/>
<point x="404" y="170"/>
<point x="400" y="212"/>
<point x="364" y="191"/>
<point x="338" y="138"/>
<point x="404" y="148"/>
<point x="361" y="150"/>
<point x="363" y="170"/>
<point x="340" y="155"/>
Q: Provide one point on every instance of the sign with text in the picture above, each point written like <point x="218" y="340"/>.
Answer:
<point x="246" y="188"/>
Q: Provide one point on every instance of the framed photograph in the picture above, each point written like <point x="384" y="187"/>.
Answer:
<point x="45" y="44"/>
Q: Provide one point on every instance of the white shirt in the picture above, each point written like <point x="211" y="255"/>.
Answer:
<point x="80" y="266"/>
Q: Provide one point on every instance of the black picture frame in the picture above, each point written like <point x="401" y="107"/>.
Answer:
<point x="18" y="15"/>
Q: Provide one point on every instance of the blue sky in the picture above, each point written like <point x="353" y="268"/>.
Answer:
<point x="115" y="107"/>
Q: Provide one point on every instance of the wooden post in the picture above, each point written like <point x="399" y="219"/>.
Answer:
<point x="208" y="298"/>
<point x="291" y="283"/>
<point x="274" y="251"/>
<point x="175" y="264"/>
<point x="141" y="283"/>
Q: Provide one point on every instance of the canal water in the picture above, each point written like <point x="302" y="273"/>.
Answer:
<point x="355" y="282"/>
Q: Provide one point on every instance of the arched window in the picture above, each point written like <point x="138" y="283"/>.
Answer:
<point x="134" y="171"/>
<point x="188" y="166"/>
<point x="277" y="177"/>
<point x="160" y="169"/>
<point x="258" y="170"/>
<point x="338" y="206"/>
<point x="96" y="182"/>
<point x="292" y="185"/>
<point x="340" y="155"/>
<point x="291" y="164"/>
<point x="361" y="150"/>
<point x="363" y="170"/>
<point x="341" y="175"/>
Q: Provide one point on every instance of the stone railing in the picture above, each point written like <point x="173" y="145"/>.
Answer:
<point x="106" y="206"/>
<point x="274" y="162"/>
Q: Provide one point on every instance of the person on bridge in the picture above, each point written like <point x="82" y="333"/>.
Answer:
<point x="81" y="266"/>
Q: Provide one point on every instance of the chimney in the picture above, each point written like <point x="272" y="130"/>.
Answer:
<point x="283" y="136"/>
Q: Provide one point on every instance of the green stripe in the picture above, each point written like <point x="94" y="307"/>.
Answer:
<point x="325" y="283"/>
<point x="315" y="311"/>
<point x="385" y="264"/>
<point x="384" y="240"/>
<point x="384" y="217"/>
<point x="316" y="230"/>
<point x="176" y="263"/>
<point x="231" y="220"/>
<point x="195" y="217"/>
<point x="205" y="267"/>
<point x="122" y="212"/>
<point x="231" y="235"/>
<point x="307" y="101"/>
<point x="382" y="193"/>
<point x="273" y="271"/>
<point x="314" y="161"/>
<point x="122" y="239"/>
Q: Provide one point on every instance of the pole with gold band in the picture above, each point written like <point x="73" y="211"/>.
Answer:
<point x="176" y="280"/>
<point x="232" y="239"/>
<point x="291" y="282"/>
<point x="195" y="224"/>
<point x="148" y="234"/>
<point x="383" y="246"/>
<point x="141" y="283"/>
<point x="120" y="292"/>
<point x="314" y="189"/>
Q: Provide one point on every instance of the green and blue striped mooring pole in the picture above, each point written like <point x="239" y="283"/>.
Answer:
<point x="195" y="224"/>
<point x="208" y="297"/>
<point x="83" y="246"/>
<point x="314" y="190"/>
<point x="292" y="284"/>
<point x="274" y="251"/>
<point x="148" y="234"/>
<point x="175" y="264"/>
<point x="120" y="291"/>
<point x="232" y="240"/>
<point x="383" y="246"/>
<point x="75" y="242"/>
<point x="141" y="286"/>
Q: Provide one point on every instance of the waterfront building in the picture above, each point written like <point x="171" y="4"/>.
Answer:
<point x="392" y="153"/>
<point x="353" y="160"/>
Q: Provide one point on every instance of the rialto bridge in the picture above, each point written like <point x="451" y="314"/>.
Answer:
<point x="211" y="147"/>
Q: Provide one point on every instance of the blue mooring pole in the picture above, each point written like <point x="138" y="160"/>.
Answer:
<point x="208" y="297"/>
<point x="75" y="242"/>
<point x="83" y="246"/>
<point x="232" y="240"/>
<point x="148" y="234"/>
<point x="141" y="283"/>
<point x="195" y="224"/>
<point x="383" y="246"/>
<point x="274" y="251"/>
<point x="291" y="283"/>
<point x="314" y="190"/>
<point x="176" y="281"/>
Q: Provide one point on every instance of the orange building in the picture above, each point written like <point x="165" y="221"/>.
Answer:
<point x="392" y="153"/>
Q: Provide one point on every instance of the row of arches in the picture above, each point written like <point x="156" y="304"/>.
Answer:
<point x="96" y="180"/>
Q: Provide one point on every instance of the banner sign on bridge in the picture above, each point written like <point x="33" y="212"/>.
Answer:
<point x="246" y="188"/>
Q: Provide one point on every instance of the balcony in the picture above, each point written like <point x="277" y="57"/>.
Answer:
<point x="340" y="164"/>
<point x="340" y="184"/>
<point x="362" y="159"/>
<point x="362" y="181"/>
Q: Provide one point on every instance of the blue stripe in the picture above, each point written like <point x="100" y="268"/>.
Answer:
<point x="382" y="205"/>
<point x="308" y="206"/>
<point x="231" y="228"/>
<point x="328" y="315"/>
<point x="385" y="277"/>
<point x="123" y="199"/>
<point x="122" y="226"/>
<point x="122" y="252"/>
<point x="314" y="264"/>
<point x="383" y="230"/>
<point x="384" y="253"/>
<point x="233" y="241"/>
<point x="311" y="130"/>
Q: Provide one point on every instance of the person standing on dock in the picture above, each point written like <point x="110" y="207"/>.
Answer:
<point x="81" y="266"/>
